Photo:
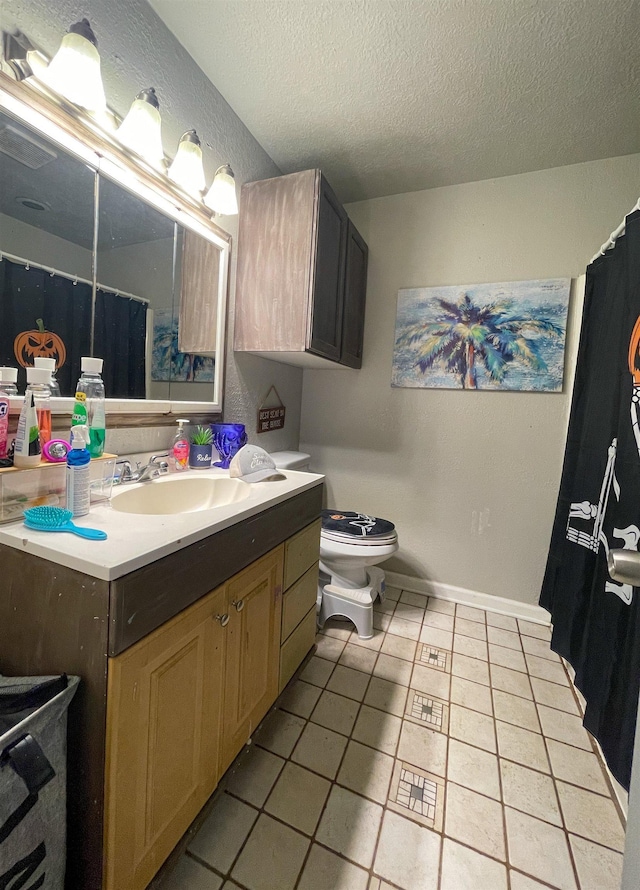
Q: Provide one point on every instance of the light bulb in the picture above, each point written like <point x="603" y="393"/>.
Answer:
<point x="74" y="71"/>
<point x="186" y="169"/>
<point x="140" y="130"/>
<point x="221" y="197"/>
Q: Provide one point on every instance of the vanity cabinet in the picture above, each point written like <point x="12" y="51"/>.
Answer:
<point x="302" y="274"/>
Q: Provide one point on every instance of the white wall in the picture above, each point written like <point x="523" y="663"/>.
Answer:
<point x="32" y="243"/>
<point x="469" y="478"/>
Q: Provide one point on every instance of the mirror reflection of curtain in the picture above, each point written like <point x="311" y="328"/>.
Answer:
<point x="120" y="339"/>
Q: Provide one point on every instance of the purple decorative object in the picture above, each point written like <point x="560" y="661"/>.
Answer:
<point x="228" y="439"/>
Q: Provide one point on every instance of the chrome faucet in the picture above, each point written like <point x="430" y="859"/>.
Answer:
<point x="156" y="467"/>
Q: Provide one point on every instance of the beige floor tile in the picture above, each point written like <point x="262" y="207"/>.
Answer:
<point x="510" y="681"/>
<point x="506" y="622"/>
<point x="378" y="730"/>
<point x="553" y="695"/>
<point x="336" y="712"/>
<point x="190" y="875"/>
<point x="539" y="648"/>
<point x="279" y="732"/>
<point x="547" y="670"/>
<point x="472" y="727"/>
<point x="414" y="599"/>
<point x="471" y="695"/>
<point x="408" y="854"/>
<point x="464" y="869"/>
<point x="470" y="613"/>
<point x="272" y="856"/>
<point x="564" y="728"/>
<point x="299" y="698"/>
<point x="470" y="668"/>
<point x="576" y="766"/>
<point x="366" y="771"/>
<point x="470" y="647"/>
<point x="397" y="670"/>
<point x="228" y="885"/>
<point x="386" y="605"/>
<point x="443" y="639"/>
<point x="522" y="746"/>
<point x="403" y="628"/>
<point x="393" y="593"/>
<point x="320" y="749"/>
<point x="427" y="710"/>
<point x="317" y="671"/>
<point x="346" y="681"/>
<point x="409" y="612"/>
<point x="505" y="638"/>
<point x="329" y="647"/>
<point x="223" y="833"/>
<point x="473" y="768"/>
<point x="253" y="775"/>
<point x="508" y="658"/>
<point x="530" y="791"/>
<point x="439" y="605"/>
<point x="471" y="629"/>
<point x="531" y="629"/>
<point x="423" y="747"/>
<point x="336" y="627"/>
<point x="358" y="657"/>
<point x="516" y="710"/>
<point x="381" y="620"/>
<point x="399" y="647"/>
<point x="591" y="816"/>
<point x="522" y="882"/>
<point x="350" y="825"/>
<point x="474" y="820"/>
<point x="439" y="620"/>
<point x="326" y="871"/>
<point x="539" y="849"/>
<point x="426" y="679"/>
<point x="386" y="696"/>
<point x="298" y="798"/>
<point x="598" y="868"/>
<point x="375" y="642"/>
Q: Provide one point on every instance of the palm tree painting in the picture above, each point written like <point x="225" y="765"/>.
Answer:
<point x="483" y="336"/>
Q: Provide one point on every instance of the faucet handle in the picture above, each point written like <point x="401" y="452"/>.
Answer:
<point x="156" y="457"/>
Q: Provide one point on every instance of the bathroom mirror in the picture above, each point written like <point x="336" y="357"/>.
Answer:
<point x="112" y="259"/>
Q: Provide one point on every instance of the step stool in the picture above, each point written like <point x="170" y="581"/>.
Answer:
<point x="356" y="604"/>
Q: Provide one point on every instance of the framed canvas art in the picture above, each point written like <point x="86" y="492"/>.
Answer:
<point x="504" y="336"/>
<point x="168" y="363"/>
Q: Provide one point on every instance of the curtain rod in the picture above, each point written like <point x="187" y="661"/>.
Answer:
<point x="613" y="237"/>
<point x="29" y="263"/>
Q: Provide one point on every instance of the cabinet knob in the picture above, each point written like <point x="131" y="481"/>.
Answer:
<point x="223" y="619"/>
<point x="239" y="604"/>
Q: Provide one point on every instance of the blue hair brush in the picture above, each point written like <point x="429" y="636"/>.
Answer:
<point x="56" y="519"/>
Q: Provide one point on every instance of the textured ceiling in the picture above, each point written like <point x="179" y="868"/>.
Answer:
<point x="389" y="96"/>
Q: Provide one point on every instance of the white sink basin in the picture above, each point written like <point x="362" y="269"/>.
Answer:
<point x="179" y="495"/>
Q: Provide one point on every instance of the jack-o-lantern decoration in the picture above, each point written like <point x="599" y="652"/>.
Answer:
<point x="39" y="344"/>
<point x="634" y="353"/>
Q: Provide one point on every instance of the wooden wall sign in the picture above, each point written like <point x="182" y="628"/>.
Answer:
<point x="271" y="417"/>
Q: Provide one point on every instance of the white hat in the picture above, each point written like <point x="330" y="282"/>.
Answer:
<point x="253" y="464"/>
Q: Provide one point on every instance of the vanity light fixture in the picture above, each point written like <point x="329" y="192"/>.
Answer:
<point x="74" y="71"/>
<point x="140" y="130"/>
<point x="221" y="197"/>
<point x="186" y="169"/>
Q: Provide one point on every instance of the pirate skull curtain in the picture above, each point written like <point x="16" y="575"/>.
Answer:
<point x="596" y="620"/>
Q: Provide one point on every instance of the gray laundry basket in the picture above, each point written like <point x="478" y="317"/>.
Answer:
<point x="33" y="779"/>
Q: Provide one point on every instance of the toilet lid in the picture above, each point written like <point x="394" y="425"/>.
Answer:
<point x="357" y="528"/>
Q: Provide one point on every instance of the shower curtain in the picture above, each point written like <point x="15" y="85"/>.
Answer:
<point x="596" y="621"/>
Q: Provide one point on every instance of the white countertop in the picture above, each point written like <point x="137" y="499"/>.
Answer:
<point x="136" y="540"/>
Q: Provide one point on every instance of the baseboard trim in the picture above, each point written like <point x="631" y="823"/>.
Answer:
<point x="467" y="597"/>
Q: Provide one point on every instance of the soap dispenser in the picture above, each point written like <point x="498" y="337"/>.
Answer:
<point x="179" y="455"/>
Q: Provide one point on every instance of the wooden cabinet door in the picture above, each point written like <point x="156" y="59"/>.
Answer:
<point x="163" y="732"/>
<point x="254" y="605"/>
<point x="354" y="298"/>
<point x="328" y="282"/>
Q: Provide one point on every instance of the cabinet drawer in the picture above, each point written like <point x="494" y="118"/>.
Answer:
<point x="301" y="552"/>
<point x="298" y="600"/>
<point x="297" y="646"/>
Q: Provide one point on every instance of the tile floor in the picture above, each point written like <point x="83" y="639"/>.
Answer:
<point x="446" y="753"/>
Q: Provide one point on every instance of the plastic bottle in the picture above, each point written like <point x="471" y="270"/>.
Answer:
<point x="79" y="472"/>
<point x="179" y="455"/>
<point x="8" y="381"/>
<point x="4" y="421"/>
<point x="50" y="364"/>
<point x="89" y="406"/>
<point x="27" y="447"/>
<point x="38" y="384"/>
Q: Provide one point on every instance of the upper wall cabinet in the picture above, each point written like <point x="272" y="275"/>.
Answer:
<point x="302" y="274"/>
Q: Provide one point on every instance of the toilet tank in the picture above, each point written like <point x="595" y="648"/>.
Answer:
<point x="292" y="460"/>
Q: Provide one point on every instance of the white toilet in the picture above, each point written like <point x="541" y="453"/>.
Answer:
<point x="351" y="546"/>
